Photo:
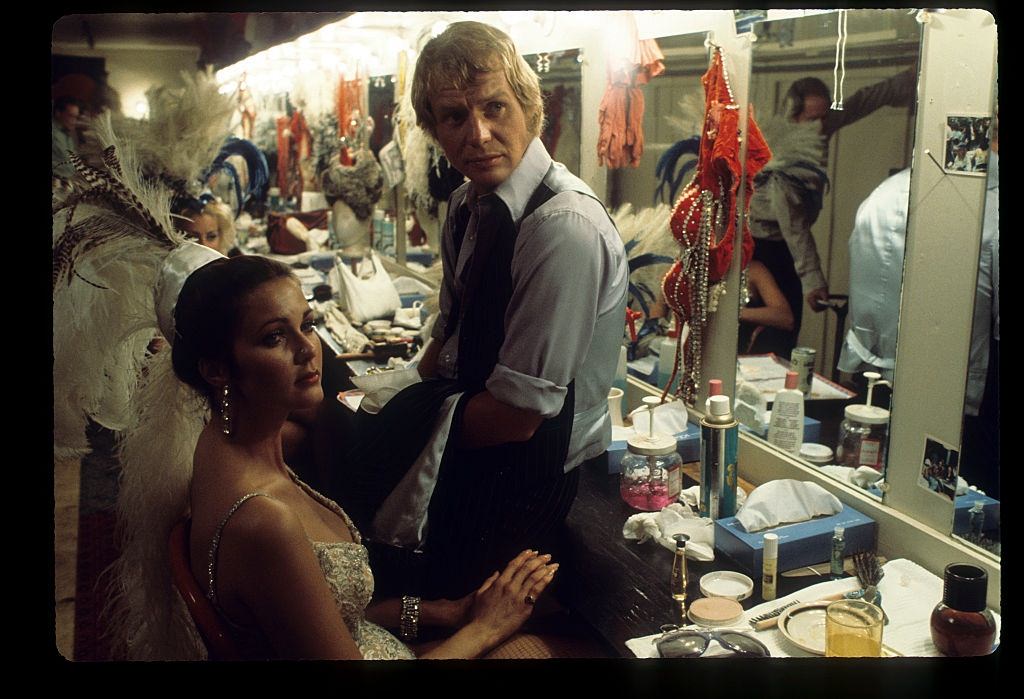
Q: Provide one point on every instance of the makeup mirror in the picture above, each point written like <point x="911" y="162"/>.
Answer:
<point x="795" y="60"/>
<point x="560" y="74"/>
<point x="976" y="510"/>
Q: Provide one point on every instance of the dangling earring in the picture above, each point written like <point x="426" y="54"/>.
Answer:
<point x="225" y="413"/>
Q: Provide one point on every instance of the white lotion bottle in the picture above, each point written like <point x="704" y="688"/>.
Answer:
<point x="786" y="429"/>
<point x="769" y="566"/>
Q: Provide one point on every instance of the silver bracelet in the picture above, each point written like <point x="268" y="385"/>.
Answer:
<point x="409" y="627"/>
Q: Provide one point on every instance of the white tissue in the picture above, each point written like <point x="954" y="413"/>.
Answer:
<point x="862" y="476"/>
<point x="669" y="418"/>
<point x="382" y="387"/>
<point x="677" y="518"/>
<point x="785" y="501"/>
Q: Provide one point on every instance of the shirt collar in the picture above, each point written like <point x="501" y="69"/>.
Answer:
<point x="516" y="191"/>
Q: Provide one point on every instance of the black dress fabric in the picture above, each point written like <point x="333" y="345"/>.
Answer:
<point x="775" y="255"/>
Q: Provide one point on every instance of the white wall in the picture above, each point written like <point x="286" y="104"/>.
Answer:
<point x="132" y="71"/>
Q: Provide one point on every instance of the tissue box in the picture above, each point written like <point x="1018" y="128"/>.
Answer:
<point x="801" y="544"/>
<point x="812" y="430"/>
<point x="687" y="444"/>
<point x="962" y="516"/>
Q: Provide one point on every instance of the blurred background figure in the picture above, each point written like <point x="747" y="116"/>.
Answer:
<point x="64" y="135"/>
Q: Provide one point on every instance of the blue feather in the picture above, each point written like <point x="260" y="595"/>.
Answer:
<point x="665" y="169"/>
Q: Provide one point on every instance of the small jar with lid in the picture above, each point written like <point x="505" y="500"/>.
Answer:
<point x="651" y="472"/>
<point x="961" y="624"/>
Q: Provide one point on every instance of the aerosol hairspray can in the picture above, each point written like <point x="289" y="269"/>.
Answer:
<point x="719" y="440"/>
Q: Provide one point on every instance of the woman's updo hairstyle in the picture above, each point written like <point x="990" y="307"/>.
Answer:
<point x="207" y="312"/>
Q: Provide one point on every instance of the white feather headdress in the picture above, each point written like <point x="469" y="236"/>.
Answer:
<point x="112" y="236"/>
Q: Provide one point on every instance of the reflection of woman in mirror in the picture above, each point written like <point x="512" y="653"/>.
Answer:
<point x="209" y="221"/>
<point x="789" y="190"/>
<point x="766" y="319"/>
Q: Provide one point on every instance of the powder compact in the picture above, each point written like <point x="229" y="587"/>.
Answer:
<point x="715" y="611"/>
<point x="728" y="584"/>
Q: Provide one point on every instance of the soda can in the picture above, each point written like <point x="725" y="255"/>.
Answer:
<point x="801" y="360"/>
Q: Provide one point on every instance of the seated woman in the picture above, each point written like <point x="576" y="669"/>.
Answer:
<point x="766" y="320"/>
<point x="285" y="565"/>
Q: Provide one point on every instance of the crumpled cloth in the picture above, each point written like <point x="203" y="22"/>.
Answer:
<point x="785" y="501"/>
<point x="382" y="387"/>
<point x="678" y="518"/>
<point x="862" y="476"/>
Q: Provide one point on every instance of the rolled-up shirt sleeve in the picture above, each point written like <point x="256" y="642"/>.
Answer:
<point x="559" y="268"/>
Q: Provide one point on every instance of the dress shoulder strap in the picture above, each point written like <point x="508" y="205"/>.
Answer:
<point x="211" y="561"/>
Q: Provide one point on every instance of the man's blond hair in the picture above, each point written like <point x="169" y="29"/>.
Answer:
<point x="454" y="58"/>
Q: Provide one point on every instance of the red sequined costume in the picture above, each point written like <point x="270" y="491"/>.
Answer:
<point x="704" y="219"/>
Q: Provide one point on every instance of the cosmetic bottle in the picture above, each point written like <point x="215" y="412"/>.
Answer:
<point x="667" y="360"/>
<point x="836" y="562"/>
<point x="961" y="624"/>
<point x="680" y="579"/>
<point x="786" y="427"/>
<point x="714" y="389"/>
<point x="719" y="439"/>
<point x="976" y="522"/>
<point x="769" y="566"/>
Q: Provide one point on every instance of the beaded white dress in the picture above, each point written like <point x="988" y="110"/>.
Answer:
<point x="346" y="568"/>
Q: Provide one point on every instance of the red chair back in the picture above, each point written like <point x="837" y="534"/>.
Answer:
<point x="216" y="635"/>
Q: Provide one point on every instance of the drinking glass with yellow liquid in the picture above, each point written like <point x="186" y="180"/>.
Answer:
<point x="853" y="629"/>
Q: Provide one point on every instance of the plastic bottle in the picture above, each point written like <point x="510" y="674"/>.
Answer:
<point x="667" y="360"/>
<point x="786" y="428"/>
<point x="977" y="521"/>
<point x="769" y="566"/>
<point x="836" y="562"/>
<point x="719" y="441"/>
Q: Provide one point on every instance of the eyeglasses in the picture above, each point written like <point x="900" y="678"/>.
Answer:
<point x="693" y="643"/>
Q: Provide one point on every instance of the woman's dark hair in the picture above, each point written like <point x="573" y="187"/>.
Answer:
<point x="800" y="90"/>
<point x="207" y="312"/>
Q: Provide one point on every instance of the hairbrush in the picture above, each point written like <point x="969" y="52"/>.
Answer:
<point x="770" y="619"/>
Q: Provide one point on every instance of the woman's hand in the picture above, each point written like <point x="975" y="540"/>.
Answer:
<point x="498" y="608"/>
<point x="505" y="600"/>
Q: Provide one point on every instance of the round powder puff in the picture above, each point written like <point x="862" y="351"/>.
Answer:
<point x="715" y="611"/>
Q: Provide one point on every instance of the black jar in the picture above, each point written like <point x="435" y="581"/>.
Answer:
<point x="961" y="623"/>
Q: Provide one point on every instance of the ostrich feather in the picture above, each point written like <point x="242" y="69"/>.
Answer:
<point x="650" y="249"/>
<point x="147" y="617"/>
<point x="110" y="236"/>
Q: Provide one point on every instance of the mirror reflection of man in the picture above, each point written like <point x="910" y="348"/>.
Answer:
<point x="64" y="135"/>
<point x="532" y="307"/>
<point x="789" y="190"/>
<point x="980" y="453"/>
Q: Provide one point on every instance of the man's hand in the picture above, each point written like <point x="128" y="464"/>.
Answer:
<point x="817" y="299"/>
